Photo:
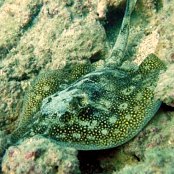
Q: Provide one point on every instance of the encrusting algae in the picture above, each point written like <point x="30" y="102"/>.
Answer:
<point x="102" y="109"/>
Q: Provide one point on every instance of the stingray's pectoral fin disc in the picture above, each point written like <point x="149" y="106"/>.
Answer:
<point x="151" y="64"/>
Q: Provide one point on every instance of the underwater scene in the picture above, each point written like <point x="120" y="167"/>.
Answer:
<point x="86" y="86"/>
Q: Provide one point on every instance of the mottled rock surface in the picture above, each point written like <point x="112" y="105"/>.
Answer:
<point x="157" y="160"/>
<point x="165" y="90"/>
<point x="40" y="155"/>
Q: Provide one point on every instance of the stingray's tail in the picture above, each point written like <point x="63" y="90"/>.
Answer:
<point x="118" y="51"/>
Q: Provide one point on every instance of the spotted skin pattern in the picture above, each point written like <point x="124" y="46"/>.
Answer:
<point x="100" y="110"/>
<point x="118" y="105"/>
<point x="124" y="106"/>
<point x="46" y="84"/>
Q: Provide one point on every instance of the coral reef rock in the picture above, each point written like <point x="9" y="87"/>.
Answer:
<point x="39" y="155"/>
<point x="157" y="160"/>
<point x="165" y="90"/>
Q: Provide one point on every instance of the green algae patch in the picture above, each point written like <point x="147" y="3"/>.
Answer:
<point x="1" y="2"/>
